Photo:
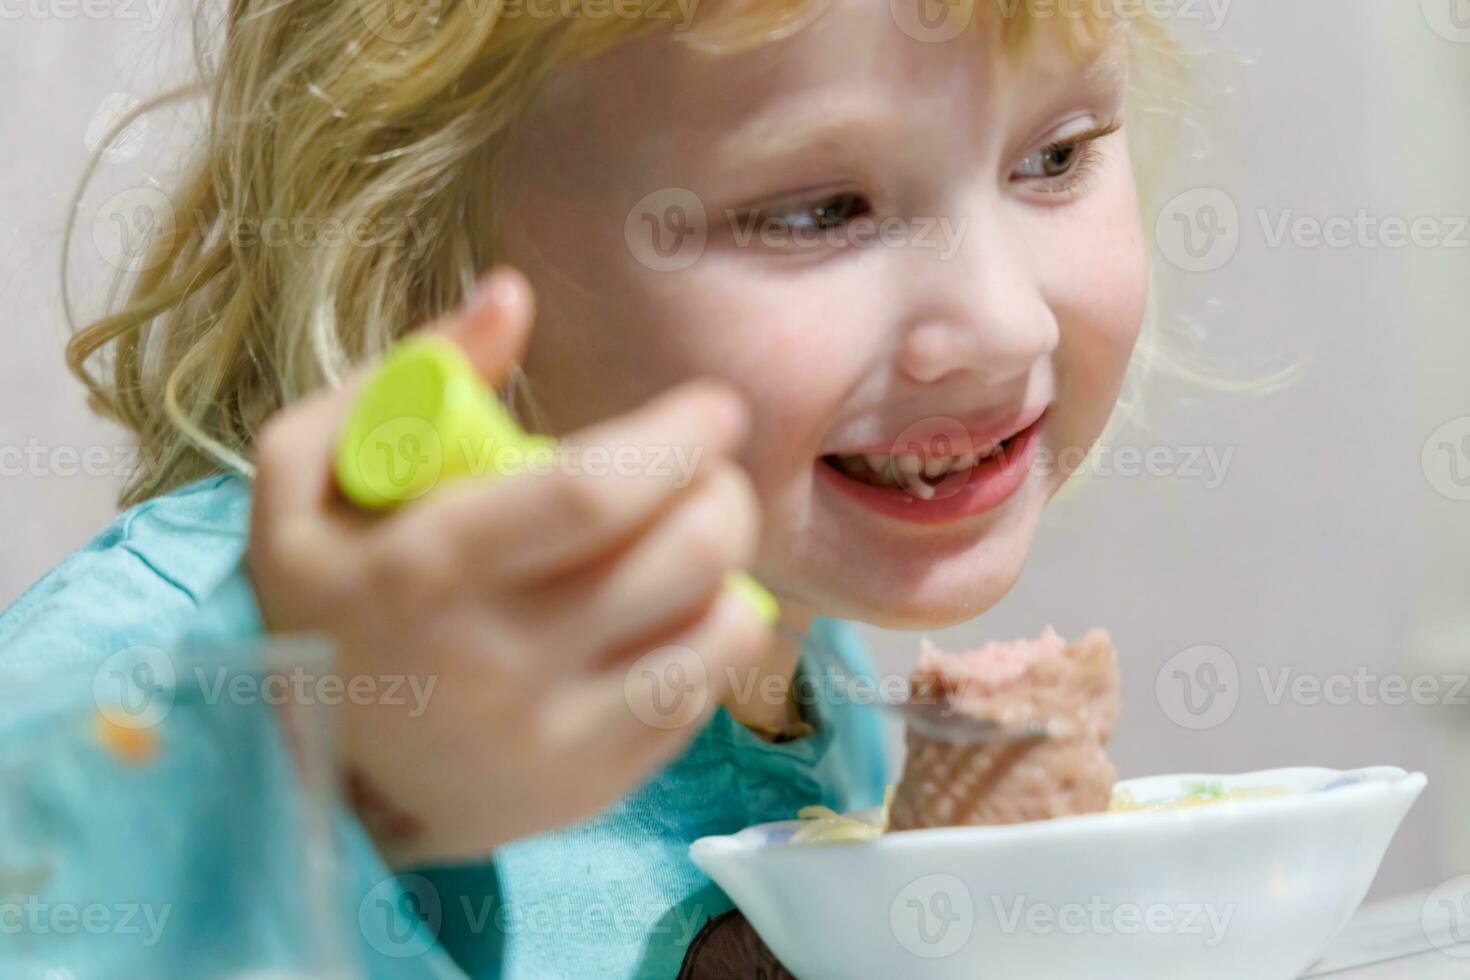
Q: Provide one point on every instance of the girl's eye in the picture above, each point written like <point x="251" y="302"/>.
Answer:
<point x="825" y="215"/>
<point x="1062" y="164"/>
<point x="1052" y="161"/>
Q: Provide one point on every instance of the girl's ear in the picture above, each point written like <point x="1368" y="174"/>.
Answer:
<point x="494" y="323"/>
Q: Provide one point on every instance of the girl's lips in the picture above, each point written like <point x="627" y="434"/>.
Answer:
<point x="984" y="487"/>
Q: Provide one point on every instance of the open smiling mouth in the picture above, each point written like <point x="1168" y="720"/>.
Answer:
<point x="922" y="476"/>
<point x="932" y="488"/>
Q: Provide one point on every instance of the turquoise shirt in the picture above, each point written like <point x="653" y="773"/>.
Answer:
<point x="196" y="846"/>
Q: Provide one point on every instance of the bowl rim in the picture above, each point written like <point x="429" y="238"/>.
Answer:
<point x="1378" y="782"/>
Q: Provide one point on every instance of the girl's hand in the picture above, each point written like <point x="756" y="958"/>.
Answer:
<point x="526" y="603"/>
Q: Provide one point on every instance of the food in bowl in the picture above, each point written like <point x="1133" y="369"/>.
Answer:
<point x="1073" y="687"/>
<point x="823" y="825"/>
<point x="1195" y="794"/>
<point x="1276" y="861"/>
<point x="1281" y="863"/>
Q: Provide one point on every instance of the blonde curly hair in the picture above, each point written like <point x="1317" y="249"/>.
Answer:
<point x="344" y="115"/>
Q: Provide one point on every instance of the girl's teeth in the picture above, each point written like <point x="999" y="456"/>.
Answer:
<point x="910" y="470"/>
<point x="918" y="487"/>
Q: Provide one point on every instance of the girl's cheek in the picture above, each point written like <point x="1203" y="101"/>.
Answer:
<point x="1131" y="275"/>
<point x="629" y="333"/>
<point x="1099" y="293"/>
<point x="791" y="353"/>
<point x="1102" y="293"/>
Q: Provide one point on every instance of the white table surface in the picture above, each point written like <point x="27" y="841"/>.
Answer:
<point x="1423" y="936"/>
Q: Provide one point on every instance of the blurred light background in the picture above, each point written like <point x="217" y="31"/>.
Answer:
<point x="1324" y="549"/>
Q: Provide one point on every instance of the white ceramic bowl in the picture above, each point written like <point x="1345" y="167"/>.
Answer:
<point x="1252" y="888"/>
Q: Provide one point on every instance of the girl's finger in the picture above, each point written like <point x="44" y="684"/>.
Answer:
<point x="295" y="453"/>
<point x="659" y="581"/>
<point x="604" y="486"/>
<point x="493" y="326"/>
<point x="639" y="714"/>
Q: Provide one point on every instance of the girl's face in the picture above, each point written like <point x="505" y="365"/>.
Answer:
<point x="891" y="246"/>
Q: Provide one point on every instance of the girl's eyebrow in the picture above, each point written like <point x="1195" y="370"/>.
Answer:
<point x="776" y="134"/>
<point x="773" y="135"/>
<point x="1108" y="73"/>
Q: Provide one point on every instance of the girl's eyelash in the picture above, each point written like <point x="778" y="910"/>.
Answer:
<point x="834" y="210"/>
<point x="830" y="211"/>
<point x="799" y="224"/>
<point x="1088" y="156"/>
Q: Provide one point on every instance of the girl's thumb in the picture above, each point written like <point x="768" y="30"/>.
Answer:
<point x="493" y="325"/>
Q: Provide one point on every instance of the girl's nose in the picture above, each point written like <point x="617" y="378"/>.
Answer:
<point x="980" y="311"/>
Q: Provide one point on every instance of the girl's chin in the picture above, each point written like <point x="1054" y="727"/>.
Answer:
<point x="908" y="582"/>
<point x="946" y="594"/>
<point x="932" y="608"/>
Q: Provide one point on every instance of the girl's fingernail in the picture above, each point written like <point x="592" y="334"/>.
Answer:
<point x="482" y="297"/>
<point x="501" y="288"/>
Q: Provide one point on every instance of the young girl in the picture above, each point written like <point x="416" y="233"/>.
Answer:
<point x="869" y="265"/>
